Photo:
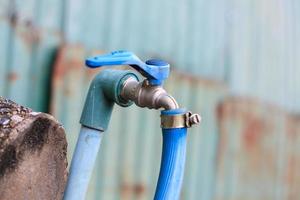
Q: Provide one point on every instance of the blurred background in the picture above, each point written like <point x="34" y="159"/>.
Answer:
<point x="235" y="62"/>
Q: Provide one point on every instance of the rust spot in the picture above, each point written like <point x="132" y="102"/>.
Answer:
<point x="68" y="57"/>
<point x="13" y="18"/>
<point x="24" y="27"/>
<point x="244" y="103"/>
<point x="125" y="189"/>
<point x="293" y="125"/>
<point x="252" y="132"/>
<point x="59" y="70"/>
<point x="32" y="33"/>
<point x="139" y="189"/>
<point x="13" y="76"/>
<point x="129" y="189"/>
<point x="220" y="112"/>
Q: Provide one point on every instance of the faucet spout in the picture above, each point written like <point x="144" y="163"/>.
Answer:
<point x="145" y="95"/>
<point x="167" y="102"/>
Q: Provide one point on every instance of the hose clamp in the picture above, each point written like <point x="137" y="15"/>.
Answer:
<point x="180" y="120"/>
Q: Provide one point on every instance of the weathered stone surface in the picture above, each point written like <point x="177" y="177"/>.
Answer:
<point x="33" y="148"/>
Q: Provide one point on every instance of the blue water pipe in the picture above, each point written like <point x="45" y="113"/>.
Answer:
<point x="87" y="147"/>
<point x="95" y="117"/>
<point x="124" y="88"/>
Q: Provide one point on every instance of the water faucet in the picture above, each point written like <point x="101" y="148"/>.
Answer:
<point x="124" y="88"/>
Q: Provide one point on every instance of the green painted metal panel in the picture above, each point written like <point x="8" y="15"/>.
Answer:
<point x="262" y="60"/>
<point x="250" y="46"/>
<point x="257" y="151"/>
<point x="4" y="36"/>
<point x="29" y="39"/>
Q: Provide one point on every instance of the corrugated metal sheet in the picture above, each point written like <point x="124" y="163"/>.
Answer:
<point x="129" y="160"/>
<point x="252" y="44"/>
<point x="258" y="151"/>
<point x="263" y="55"/>
<point x="29" y="38"/>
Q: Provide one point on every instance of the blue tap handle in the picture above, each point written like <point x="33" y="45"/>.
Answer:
<point x="156" y="71"/>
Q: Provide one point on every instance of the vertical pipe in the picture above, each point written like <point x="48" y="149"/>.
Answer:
<point x="83" y="161"/>
<point x="172" y="164"/>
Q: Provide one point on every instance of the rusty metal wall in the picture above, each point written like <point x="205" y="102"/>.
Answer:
<point x="257" y="152"/>
<point x="29" y="38"/>
<point x="232" y="48"/>
<point x="251" y="45"/>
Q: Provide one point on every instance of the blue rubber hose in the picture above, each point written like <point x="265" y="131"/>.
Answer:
<point x="172" y="164"/>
